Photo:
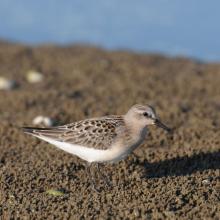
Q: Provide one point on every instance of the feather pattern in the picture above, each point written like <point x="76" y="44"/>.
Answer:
<point x="97" y="133"/>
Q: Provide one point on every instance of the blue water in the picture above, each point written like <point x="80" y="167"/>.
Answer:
<point x="171" y="27"/>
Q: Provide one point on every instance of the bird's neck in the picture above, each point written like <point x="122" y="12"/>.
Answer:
<point x="137" y="130"/>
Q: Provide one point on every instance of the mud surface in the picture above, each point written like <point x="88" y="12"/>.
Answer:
<point x="171" y="175"/>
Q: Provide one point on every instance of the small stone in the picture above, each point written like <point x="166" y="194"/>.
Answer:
<point x="207" y="180"/>
<point x="38" y="120"/>
<point x="33" y="76"/>
<point x="55" y="192"/>
<point x="6" y="83"/>
<point x="11" y="195"/>
<point x="42" y="120"/>
<point x="48" y="122"/>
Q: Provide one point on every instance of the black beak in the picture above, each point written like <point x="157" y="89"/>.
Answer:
<point x="160" y="124"/>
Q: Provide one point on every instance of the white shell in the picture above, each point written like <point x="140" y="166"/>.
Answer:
<point x="33" y="76"/>
<point x="48" y="122"/>
<point x="205" y="181"/>
<point x="38" y="120"/>
<point x="42" y="120"/>
<point x="6" y="83"/>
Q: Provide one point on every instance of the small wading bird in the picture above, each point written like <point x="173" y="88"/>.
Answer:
<point x="105" y="139"/>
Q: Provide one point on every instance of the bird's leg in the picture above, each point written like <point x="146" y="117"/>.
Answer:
<point x="90" y="177"/>
<point x="105" y="181"/>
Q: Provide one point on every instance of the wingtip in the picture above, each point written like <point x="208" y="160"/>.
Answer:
<point x="32" y="129"/>
<point x="27" y="129"/>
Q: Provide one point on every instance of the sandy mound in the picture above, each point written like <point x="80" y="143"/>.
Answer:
<point x="173" y="175"/>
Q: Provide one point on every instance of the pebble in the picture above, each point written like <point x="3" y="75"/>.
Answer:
<point x="48" y="122"/>
<point x="6" y="83"/>
<point x="42" y="120"/>
<point x="33" y="76"/>
<point x="208" y="180"/>
<point x="11" y="195"/>
<point x="55" y="192"/>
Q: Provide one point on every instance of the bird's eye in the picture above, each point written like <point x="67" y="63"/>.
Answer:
<point x="145" y="114"/>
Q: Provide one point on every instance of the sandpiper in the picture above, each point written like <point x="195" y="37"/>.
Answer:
<point x="105" y="139"/>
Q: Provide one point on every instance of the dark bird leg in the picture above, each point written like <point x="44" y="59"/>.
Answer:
<point x="105" y="181"/>
<point x="90" y="177"/>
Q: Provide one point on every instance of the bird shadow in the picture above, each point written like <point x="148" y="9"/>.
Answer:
<point x="181" y="166"/>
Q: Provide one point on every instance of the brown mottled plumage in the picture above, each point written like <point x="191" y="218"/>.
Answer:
<point x="104" y="139"/>
<point x="98" y="133"/>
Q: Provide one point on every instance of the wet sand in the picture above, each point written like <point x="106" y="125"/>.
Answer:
<point x="171" y="175"/>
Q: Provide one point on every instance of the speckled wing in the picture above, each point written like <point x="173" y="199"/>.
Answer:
<point x="98" y="133"/>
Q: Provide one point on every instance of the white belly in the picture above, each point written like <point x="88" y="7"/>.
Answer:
<point x="93" y="155"/>
<point x="111" y="155"/>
